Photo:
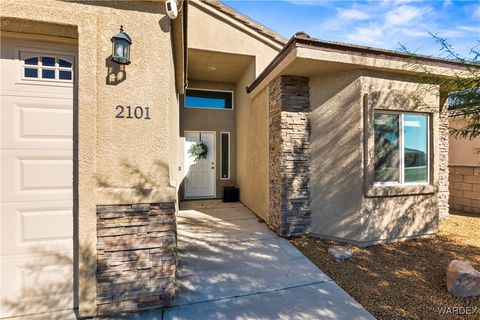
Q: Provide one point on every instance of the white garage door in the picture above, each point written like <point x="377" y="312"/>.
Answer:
<point x="36" y="126"/>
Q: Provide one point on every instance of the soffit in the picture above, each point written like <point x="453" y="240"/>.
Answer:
<point x="228" y="67"/>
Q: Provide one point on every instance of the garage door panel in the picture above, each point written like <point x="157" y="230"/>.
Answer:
<point x="36" y="228"/>
<point x="34" y="123"/>
<point x="36" y="284"/>
<point x="46" y="225"/>
<point x="12" y="80"/>
<point x="29" y="175"/>
<point x="36" y="179"/>
<point x="56" y="123"/>
<point x="41" y="174"/>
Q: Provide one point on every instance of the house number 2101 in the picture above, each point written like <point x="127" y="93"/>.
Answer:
<point x="129" y="113"/>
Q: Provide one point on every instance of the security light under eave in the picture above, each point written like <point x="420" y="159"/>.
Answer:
<point x="121" y="47"/>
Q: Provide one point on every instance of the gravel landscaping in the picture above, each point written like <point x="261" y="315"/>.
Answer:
<point x="404" y="280"/>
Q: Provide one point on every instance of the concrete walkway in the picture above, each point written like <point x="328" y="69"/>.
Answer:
<point x="231" y="266"/>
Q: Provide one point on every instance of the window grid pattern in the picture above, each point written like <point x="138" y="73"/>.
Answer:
<point x="43" y="67"/>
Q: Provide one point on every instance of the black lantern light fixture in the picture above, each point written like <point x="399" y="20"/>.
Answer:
<point x="121" y="47"/>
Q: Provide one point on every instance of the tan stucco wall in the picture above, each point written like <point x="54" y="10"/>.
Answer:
<point x="463" y="151"/>
<point x="407" y="212"/>
<point x="219" y="33"/>
<point x="116" y="156"/>
<point x="213" y="120"/>
<point x="253" y="148"/>
<point x="336" y="154"/>
<point x="343" y="206"/>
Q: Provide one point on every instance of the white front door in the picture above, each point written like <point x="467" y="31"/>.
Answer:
<point x="200" y="177"/>
<point x="36" y="172"/>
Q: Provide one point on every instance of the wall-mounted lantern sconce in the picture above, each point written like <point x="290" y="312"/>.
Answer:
<point x="121" y="47"/>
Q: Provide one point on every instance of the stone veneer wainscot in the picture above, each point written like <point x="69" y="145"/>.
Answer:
<point x="136" y="257"/>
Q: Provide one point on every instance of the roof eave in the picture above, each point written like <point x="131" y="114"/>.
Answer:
<point x="272" y="65"/>
<point x="243" y="22"/>
<point x="301" y="40"/>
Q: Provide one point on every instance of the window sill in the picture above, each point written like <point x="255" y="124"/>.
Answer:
<point x="207" y="108"/>
<point x="400" y="190"/>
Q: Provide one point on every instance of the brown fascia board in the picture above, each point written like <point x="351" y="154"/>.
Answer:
<point x="278" y="58"/>
<point x="302" y="40"/>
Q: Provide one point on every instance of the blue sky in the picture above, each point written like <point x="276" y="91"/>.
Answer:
<point x="376" y="23"/>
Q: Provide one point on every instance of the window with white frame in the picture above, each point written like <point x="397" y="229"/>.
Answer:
<point x="225" y="155"/>
<point x="46" y="67"/>
<point x="401" y="148"/>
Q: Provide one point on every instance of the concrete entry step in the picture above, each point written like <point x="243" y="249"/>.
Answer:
<point x="208" y="204"/>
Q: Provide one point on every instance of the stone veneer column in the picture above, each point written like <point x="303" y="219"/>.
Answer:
<point x="443" y="184"/>
<point x="289" y="155"/>
<point x="136" y="257"/>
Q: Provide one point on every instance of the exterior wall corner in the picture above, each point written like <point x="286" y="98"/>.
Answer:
<point x="443" y="156"/>
<point x="289" y="156"/>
